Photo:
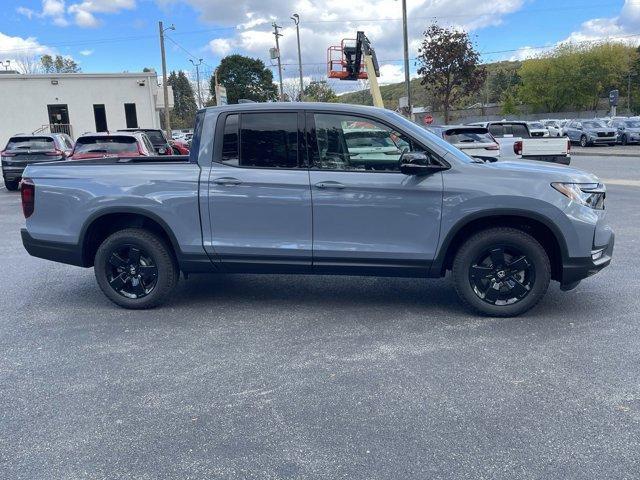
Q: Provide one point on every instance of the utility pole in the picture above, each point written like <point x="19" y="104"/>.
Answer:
<point x="405" y="35"/>
<point x="167" y="117"/>
<point x="629" y="94"/>
<point x="278" y="35"/>
<point x="296" y="19"/>
<point x="198" y="79"/>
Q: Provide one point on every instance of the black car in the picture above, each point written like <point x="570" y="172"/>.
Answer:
<point x="24" y="149"/>
<point x="159" y="141"/>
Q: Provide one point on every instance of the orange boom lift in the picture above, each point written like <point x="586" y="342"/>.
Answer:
<point x="355" y="59"/>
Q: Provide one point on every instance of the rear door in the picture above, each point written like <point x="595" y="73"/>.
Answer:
<point x="367" y="215"/>
<point x="259" y="194"/>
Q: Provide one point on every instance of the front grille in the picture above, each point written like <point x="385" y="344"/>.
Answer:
<point x="537" y="134"/>
<point x="606" y="134"/>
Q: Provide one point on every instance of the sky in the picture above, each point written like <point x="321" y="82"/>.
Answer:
<point x="122" y="35"/>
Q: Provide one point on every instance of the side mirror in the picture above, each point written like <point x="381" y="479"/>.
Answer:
<point x="417" y="163"/>
<point x="162" y="150"/>
<point x="578" y="127"/>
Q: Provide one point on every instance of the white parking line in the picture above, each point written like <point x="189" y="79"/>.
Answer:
<point x="621" y="181"/>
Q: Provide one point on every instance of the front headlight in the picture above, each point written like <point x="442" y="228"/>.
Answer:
<point x="588" y="194"/>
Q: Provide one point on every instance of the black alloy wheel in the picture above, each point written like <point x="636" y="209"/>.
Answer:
<point x="131" y="271"/>
<point x="583" y="141"/>
<point x="502" y="275"/>
<point x="624" y="140"/>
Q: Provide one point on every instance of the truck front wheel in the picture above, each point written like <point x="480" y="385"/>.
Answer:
<point x="501" y="272"/>
<point x="135" y="269"/>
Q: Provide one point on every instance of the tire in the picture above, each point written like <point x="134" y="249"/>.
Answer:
<point x="624" y="140"/>
<point x="583" y="141"/>
<point x="135" y="269"/>
<point x="12" y="185"/>
<point x="530" y="284"/>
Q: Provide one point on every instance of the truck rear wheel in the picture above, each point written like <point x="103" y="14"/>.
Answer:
<point x="501" y="272"/>
<point x="135" y="269"/>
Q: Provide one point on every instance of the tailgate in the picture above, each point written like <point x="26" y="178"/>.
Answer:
<point x="544" y="146"/>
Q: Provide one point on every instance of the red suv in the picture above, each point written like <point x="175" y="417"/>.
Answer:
<point x="120" y="144"/>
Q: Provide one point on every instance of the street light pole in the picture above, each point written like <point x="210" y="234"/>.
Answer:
<point x="296" y="19"/>
<point x="167" y="117"/>
<point x="405" y="35"/>
<point x="278" y="35"/>
<point x="197" y="65"/>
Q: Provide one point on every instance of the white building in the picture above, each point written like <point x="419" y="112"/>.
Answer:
<point x="75" y="103"/>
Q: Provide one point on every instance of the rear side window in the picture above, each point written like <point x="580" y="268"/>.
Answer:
<point x="519" y="130"/>
<point x="261" y="140"/>
<point x="230" y="145"/>
<point x="111" y="144"/>
<point x="496" y="130"/>
<point x="31" y="143"/>
<point x="269" y="140"/>
<point x="156" y="137"/>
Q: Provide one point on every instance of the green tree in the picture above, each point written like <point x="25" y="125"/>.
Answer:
<point x="319" y="92"/>
<point x="59" y="64"/>
<point x="501" y="81"/>
<point x="574" y="77"/>
<point x="184" y="110"/>
<point x="244" y="78"/>
<point x="509" y="103"/>
<point x="449" y="66"/>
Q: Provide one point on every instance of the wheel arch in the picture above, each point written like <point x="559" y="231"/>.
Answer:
<point x="539" y="227"/>
<point x="107" y="221"/>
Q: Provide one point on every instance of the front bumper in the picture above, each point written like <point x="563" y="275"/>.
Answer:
<point x="576" y="269"/>
<point x="598" y="140"/>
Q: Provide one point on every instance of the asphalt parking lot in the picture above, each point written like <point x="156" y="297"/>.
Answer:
<point x="320" y="377"/>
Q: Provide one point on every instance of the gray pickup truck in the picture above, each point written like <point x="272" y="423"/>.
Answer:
<point x="277" y="188"/>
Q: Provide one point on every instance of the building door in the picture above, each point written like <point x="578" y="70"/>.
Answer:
<point x="100" y="116"/>
<point x="131" y="115"/>
<point x="59" y="119"/>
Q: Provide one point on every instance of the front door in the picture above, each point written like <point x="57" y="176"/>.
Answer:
<point x="259" y="194"/>
<point x="367" y="215"/>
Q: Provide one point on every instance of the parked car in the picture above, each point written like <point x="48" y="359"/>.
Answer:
<point x="474" y="140"/>
<point x="628" y="131"/>
<point x="590" y="132"/>
<point x="119" y="145"/>
<point x="537" y="129"/>
<point x="161" y="145"/>
<point x="516" y="141"/>
<point x="277" y="193"/>
<point x="24" y="149"/>
<point x="179" y="147"/>
<point x="554" y="127"/>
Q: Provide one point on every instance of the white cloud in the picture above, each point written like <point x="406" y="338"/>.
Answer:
<point x="26" y="12"/>
<point x="22" y="52"/>
<point x="322" y="24"/>
<point x="221" y="46"/>
<point x="52" y="8"/>
<point x="625" y="26"/>
<point x="83" y="18"/>
<point x="86" y="53"/>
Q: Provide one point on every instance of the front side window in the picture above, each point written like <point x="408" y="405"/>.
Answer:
<point x="351" y="143"/>
<point x="263" y="140"/>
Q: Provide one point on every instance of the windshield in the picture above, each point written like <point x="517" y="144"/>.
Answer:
<point x="31" y="143"/>
<point x="632" y="124"/>
<point x="592" y="124"/>
<point x="468" y="135"/>
<point x="536" y="125"/>
<point x="422" y="134"/>
<point x="109" y="145"/>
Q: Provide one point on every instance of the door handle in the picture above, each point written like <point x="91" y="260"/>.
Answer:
<point x="230" y="181"/>
<point x="329" y="184"/>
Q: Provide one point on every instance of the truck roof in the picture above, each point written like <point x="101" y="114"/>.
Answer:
<point x="343" y="107"/>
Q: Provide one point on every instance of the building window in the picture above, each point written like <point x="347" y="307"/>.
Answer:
<point x="100" y="116"/>
<point x="131" y="115"/>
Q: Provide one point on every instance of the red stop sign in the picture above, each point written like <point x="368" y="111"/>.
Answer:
<point x="428" y="119"/>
